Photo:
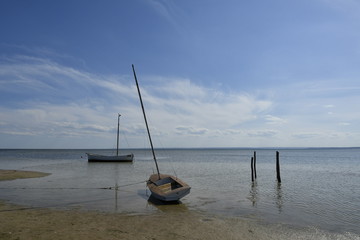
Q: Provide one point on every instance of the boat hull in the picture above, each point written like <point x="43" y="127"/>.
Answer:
<point x="168" y="188"/>
<point x="103" y="158"/>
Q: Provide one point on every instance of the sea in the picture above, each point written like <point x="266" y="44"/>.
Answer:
<point x="319" y="189"/>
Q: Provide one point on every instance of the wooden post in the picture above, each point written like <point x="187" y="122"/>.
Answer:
<point x="252" y="169"/>
<point x="255" y="164"/>
<point x="278" y="167"/>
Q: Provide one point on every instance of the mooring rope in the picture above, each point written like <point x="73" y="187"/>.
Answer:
<point x="116" y="187"/>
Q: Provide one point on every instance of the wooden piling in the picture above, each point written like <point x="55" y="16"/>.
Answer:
<point x="255" y="164"/>
<point x="252" y="169"/>
<point x="278" y="167"/>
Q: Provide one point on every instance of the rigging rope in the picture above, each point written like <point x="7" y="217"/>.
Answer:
<point x="116" y="187"/>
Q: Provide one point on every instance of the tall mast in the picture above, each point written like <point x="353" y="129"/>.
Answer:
<point x="147" y="127"/>
<point x="117" y="142"/>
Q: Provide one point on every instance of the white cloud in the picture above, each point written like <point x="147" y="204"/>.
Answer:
<point x="45" y="99"/>
<point x="66" y="102"/>
<point x="262" y="133"/>
<point x="303" y="135"/>
<point x="191" y="131"/>
<point x="274" y="120"/>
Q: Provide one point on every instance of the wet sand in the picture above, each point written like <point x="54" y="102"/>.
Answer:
<point x="21" y="222"/>
<point x="16" y="174"/>
<point x="27" y="223"/>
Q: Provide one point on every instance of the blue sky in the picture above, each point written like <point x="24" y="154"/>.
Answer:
<point x="212" y="73"/>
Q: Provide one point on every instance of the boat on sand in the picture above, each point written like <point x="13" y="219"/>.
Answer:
<point x="163" y="187"/>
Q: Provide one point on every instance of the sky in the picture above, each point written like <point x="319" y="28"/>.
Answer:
<point x="232" y="73"/>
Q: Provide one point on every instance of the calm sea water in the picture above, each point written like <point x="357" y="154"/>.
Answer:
<point x="320" y="187"/>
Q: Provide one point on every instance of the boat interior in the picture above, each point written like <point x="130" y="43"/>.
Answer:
<point x="167" y="184"/>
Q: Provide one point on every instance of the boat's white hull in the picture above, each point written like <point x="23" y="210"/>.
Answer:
<point x="168" y="188"/>
<point x="103" y="158"/>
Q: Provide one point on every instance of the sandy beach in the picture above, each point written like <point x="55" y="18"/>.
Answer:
<point x="16" y="174"/>
<point x="26" y="222"/>
<point x="21" y="222"/>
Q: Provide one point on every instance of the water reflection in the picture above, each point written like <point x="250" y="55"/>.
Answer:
<point x="279" y="196"/>
<point x="116" y="196"/>
<point x="158" y="202"/>
<point x="173" y="206"/>
<point x="253" y="195"/>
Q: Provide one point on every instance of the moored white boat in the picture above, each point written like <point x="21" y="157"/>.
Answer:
<point x="111" y="158"/>
<point x="104" y="158"/>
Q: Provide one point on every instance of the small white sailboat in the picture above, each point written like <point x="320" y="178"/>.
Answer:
<point x="112" y="158"/>
<point x="163" y="187"/>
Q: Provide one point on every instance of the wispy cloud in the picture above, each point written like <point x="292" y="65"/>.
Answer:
<point x="56" y="100"/>
<point x="190" y="130"/>
<point x="347" y="6"/>
<point x="262" y="133"/>
<point x="304" y="135"/>
<point x="168" y="10"/>
<point x="274" y="120"/>
<point x="41" y="98"/>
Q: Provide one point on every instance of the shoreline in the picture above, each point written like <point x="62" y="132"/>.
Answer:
<point x="44" y="223"/>
<point x="31" y="223"/>
<point x="26" y="222"/>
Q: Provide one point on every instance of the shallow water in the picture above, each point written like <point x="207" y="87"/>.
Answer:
<point x="320" y="188"/>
